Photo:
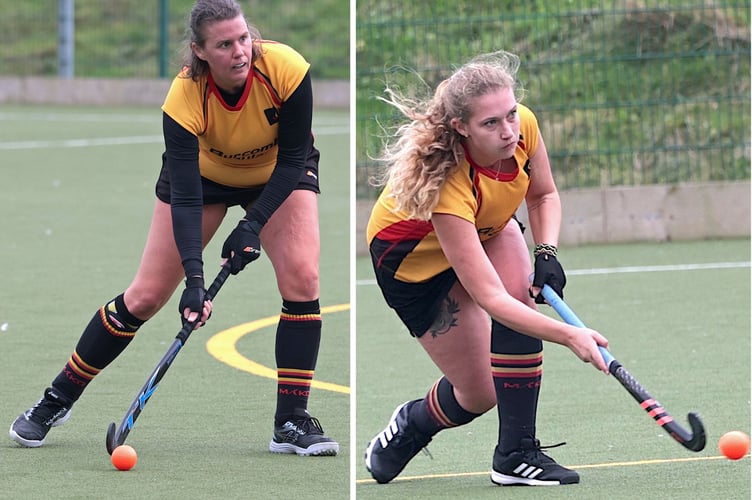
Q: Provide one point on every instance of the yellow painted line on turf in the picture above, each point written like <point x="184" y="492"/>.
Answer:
<point x="223" y="347"/>
<point x="575" y="467"/>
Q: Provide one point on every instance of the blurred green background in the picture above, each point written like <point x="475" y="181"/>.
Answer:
<point x="627" y="92"/>
<point x="142" y="39"/>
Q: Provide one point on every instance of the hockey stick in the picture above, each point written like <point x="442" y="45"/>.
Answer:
<point x="117" y="437"/>
<point x="694" y="440"/>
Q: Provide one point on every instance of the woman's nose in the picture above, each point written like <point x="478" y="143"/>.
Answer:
<point x="506" y="130"/>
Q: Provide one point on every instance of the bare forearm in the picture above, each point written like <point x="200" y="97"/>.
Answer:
<point x="504" y="308"/>
<point x="545" y="218"/>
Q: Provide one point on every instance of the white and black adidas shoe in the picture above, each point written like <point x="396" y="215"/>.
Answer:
<point x="391" y="449"/>
<point x="529" y="466"/>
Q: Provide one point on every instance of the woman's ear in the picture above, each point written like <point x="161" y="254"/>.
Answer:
<point x="197" y="51"/>
<point x="459" y="126"/>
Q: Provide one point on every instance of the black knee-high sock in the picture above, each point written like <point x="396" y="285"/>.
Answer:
<point x="104" y="338"/>
<point x="296" y="352"/>
<point x="517" y="366"/>
<point x="439" y="410"/>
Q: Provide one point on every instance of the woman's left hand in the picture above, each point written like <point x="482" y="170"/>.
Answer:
<point x="549" y="272"/>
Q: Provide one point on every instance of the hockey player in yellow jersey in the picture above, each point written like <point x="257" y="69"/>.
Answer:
<point x="237" y="131"/>
<point x="451" y="260"/>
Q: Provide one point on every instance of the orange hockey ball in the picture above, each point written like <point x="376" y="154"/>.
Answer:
<point x="124" y="457"/>
<point x="734" y="445"/>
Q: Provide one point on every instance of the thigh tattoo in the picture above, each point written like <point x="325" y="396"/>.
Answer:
<point x="446" y="318"/>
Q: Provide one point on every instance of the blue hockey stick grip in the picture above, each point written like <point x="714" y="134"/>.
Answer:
<point x="568" y="315"/>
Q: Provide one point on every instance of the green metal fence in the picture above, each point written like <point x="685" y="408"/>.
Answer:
<point x="143" y="38"/>
<point x="626" y="92"/>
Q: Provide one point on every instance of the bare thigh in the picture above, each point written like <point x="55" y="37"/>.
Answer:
<point x="459" y="343"/>
<point x="291" y="241"/>
<point x="462" y="351"/>
<point x="161" y="270"/>
<point x="510" y="257"/>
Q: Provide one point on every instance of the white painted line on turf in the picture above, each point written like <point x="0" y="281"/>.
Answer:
<point x="24" y="116"/>
<point x="631" y="269"/>
<point x="223" y="347"/>
<point x="82" y="143"/>
<point x="341" y="130"/>
<point x="589" y="466"/>
<point x="657" y="269"/>
<point x="78" y="117"/>
<point x="119" y="141"/>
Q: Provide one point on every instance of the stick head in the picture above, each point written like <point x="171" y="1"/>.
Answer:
<point x="697" y="443"/>
<point x="111" y="441"/>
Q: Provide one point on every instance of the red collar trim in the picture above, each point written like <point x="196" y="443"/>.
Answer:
<point x="246" y="91"/>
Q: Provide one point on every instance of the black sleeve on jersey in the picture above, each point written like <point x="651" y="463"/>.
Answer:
<point x="186" y="197"/>
<point x="294" y="145"/>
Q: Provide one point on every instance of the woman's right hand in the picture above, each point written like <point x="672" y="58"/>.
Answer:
<point x="584" y="343"/>
<point x="193" y="305"/>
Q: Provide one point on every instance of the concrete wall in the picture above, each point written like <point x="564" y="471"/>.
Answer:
<point x="128" y="92"/>
<point x="645" y="213"/>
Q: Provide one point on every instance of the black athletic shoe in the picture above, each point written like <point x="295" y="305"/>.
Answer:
<point x="529" y="466"/>
<point x="302" y="434"/>
<point x="389" y="452"/>
<point x="31" y="427"/>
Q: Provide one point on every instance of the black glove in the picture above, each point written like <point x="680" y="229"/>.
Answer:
<point x="243" y="245"/>
<point x="193" y="297"/>
<point x="549" y="272"/>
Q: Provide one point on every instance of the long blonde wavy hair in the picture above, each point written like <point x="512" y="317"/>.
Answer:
<point x="426" y="150"/>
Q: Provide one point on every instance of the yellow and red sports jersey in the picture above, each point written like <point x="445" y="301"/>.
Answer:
<point x="238" y="144"/>
<point x="410" y="249"/>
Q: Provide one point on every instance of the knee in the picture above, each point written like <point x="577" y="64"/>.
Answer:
<point x="487" y="398"/>
<point x="300" y="283"/>
<point x="520" y="290"/>
<point x="144" y="303"/>
<point x="483" y="404"/>
<point x="478" y="399"/>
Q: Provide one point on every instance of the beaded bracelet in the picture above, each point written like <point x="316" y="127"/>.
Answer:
<point x="545" y="249"/>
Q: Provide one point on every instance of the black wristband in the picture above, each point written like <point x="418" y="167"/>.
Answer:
<point x="194" y="282"/>
<point x="253" y="224"/>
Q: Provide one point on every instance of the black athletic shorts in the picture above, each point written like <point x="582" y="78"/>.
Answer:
<point x="231" y="196"/>
<point x="416" y="304"/>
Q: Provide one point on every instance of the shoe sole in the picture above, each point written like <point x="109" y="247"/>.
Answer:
<point x="500" y="479"/>
<point x="30" y="443"/>
<point x="329" y="449"/>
